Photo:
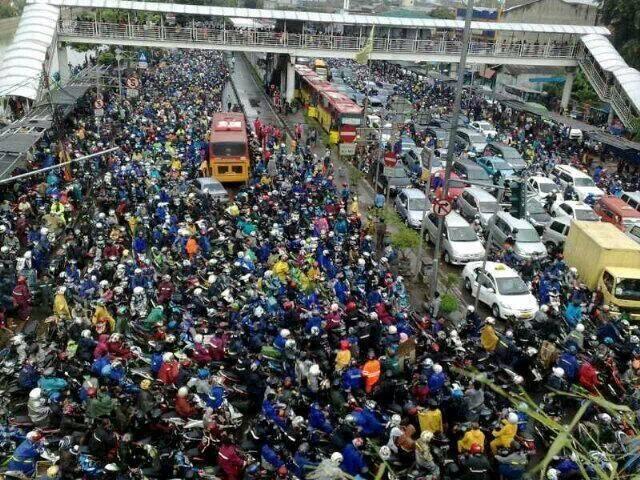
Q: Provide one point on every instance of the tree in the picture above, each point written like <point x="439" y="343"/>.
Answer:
<point x="7" y="11"/>
<point x="443" y="12"/>
<point x="623" y="18"/>
<point x="583" y="92"/>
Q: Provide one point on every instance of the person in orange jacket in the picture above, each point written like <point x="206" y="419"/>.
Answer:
<point x="192" y="247"/>
<point x="371" y="372"/>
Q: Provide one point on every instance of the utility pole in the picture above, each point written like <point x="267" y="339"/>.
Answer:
<point x="427" y="188"/>
<point x="118" y="58"/>
<point x="466" y="36"/>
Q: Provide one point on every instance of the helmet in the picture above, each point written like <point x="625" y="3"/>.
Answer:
<point x="545" y="308"/>
<point x="437" y="368"/>
<point x="183" y="391"/>
<point x="471" y="309"/>
<point x="395" y="420"/>
<point x="475" y="449"/>
<point x="490" y="320"/>
<point x="393" y="329"/>
<point x="370" y="404"/>
<point x="373" y="316"/>
<point x="35" y="394"/>
<point x="52" y="471"/>
<point x="336" y="457"/>
<point x="604" y="418"/>
<point x="427" y="362"/>
<point x="86" y="333"/>
<point x="314" y="369"/>
<point x="385" y="452"/>
<point x="197" y="292"/>
<point x="258" y="311"/>
<point x="34" y="436"/>
<point x="558" y="372"/>
<point x="167" y="357"/>
<point x="512" y="418"/>
<point x="426" y="436"/>
<point x="284" y="333"/>
<point x="138" y="291"/>
<point x="553" y="474"/>
<point x="145" y="384"/>
<point x="518" y="379"/>
<point x="580" y="327"/>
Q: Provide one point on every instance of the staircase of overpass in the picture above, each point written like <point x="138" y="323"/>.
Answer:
<point x="588" y="47"/>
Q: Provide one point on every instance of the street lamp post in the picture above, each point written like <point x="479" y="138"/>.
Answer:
<point x="466" y="36"/>
<point x="118" y="58"/>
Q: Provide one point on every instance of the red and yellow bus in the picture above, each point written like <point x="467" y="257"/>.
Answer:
<point x="229" y="148"/>
<point x="338" y="115"/>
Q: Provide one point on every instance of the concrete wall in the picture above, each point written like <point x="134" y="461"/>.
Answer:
<point x="552" y="11"/>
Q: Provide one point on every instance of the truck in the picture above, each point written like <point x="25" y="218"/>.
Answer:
<point x="607" y="259"/>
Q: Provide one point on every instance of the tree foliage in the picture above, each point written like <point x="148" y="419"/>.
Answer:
<point x="583" y="92"/>
<point x="7" y="11"/>
<point x="443" y="12"/>
<point x="623" y="18"/>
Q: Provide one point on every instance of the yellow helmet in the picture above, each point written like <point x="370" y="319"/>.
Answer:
<point x="145" y="384"/>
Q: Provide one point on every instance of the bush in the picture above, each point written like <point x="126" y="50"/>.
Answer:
<point x="405" y="238"/>
<point x="107" y="58"/>
<point x="448" y="304"/>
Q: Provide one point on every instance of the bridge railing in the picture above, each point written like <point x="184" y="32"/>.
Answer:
<point x="255" y="38"/>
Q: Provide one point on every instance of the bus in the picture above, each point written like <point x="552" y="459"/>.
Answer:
<point x="229" y="148"/>
<point x="338" y="115"/>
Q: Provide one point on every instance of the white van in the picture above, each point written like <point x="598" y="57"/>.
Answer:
<point x="582" y="183"/>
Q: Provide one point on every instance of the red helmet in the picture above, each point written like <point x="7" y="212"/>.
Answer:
<point x="475" y="448"/>
<point x="344" y="344"/>
<point x="91" y="392"/>
<point x="282" y="471"/>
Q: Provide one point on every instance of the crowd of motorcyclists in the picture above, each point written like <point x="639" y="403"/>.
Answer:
<point x="167" y="335"/>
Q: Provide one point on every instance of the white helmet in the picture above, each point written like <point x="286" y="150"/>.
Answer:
<point x="426" y="436"/>
<point x="396" y="419"/>
<point x="580" y="327"/>
<point x="198" y="338"/>
<point x="490" y="320"/>
<point x="545" y="308"/>
<point x="334" y="307"/>
<point x="518" y="379"/>
<point x="553" y="474"/>
<point x="86" y="334"/>
<point x="61" y="290"/>
<point x="197" y="292"/>
<point x="427" y="362"/>
<point x="183" y="391"/>
<point x="167" y="357"/>
<point x="471" y="309"/>
<point x="385" y="453"/>
<point x="258" y="311"/>
<point x="314" y="370"/>
<point x="336" y="457"/>
<point x="284" y="333"/>
<point x="138" y="291"/>
<point x="512" y="418"/>
<point x="437" y="368"/>
<point x="393" y="329"/>
<point x="35" y="394"/>
<point x="558" y="372"/>
<point x="373" y="316"/>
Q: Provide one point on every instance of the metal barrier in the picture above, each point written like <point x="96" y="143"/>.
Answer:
<point x="254" y="38"/>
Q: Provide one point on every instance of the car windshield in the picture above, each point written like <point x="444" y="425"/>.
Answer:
<point x="630" y="221"/>
<point x="628" y="288"/>
<point x="547" y="187"/>
<point x="511" y="286"/>
<point x="417" y="203"/>
<point x="527" y="235"/>
<point x="477" y="174"/>
<point x="462" y="234"/>
<point x="585" y="214"/>
<point x="485" y="125"/>
<point x="457" y="184"/>
<point x="583" y="182"/>
<point x="488" y="207"/>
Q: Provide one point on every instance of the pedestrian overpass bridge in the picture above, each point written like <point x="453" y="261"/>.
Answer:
<point x="49" y="23"/>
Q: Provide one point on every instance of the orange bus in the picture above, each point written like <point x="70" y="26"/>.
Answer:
<point x="229" y="147"/>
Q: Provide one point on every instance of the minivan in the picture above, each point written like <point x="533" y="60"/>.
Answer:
<point x="460" y="242"/>
<point x="473" y="140"/>
<point x="507" y="153"/>
<point x="474" y="202"/>
<point x="615" y="210"/>
<point x="582" y="183"/>
<point x="632" y="198"/>
<point x="527" y="243"/>
<point x="468" y="170"/>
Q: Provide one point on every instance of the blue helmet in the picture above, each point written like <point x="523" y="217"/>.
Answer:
<point x="203" y="373"/>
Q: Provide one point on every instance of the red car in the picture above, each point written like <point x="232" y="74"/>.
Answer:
<point x="456" y="186"/>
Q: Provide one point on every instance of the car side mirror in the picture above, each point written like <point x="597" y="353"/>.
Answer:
<point x="492" y="290"/>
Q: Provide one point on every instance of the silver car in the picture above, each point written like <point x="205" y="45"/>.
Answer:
<point x="213" y="188"/>
<point x="556" y="232"/>
<point x="475" y="202"/>
<point x="460" y="243"/>
<point x="410" y="204"/>
<point x="527" y="243"/>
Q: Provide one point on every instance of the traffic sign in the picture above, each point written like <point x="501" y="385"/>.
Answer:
<point x="442" y="207"/>
<point x="98" y="104"/>
<point x="133" y="83"/>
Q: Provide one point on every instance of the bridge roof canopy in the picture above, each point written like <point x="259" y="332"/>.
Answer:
<point x="610" y="60"/>
<point x="337" y="18"/>
<point x="21" y="67"/>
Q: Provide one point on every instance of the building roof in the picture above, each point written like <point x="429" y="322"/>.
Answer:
<point x="21" y="67"/>
<point x="339" y="18"/>
<point x="525" y="3"/>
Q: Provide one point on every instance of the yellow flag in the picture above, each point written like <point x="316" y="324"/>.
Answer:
<point x="362" y="57"/>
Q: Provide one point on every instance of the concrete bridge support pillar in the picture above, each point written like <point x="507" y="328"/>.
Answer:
<point x="612" y="115"/>
<point x="63" y="63"/>
<point x="291" y="79"/>
<point x="566" y="91"/>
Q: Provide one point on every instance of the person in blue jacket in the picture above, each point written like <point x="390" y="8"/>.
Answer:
<point x="353" y="460"/>
<point x="368" y="422"/>
<point x="569" y="363"/>
<point x="352" y="378"/>
<point x="318" y="420"/>
<point x="573" y="313"/>
<point x="270" y="457"/>
<point x="26" y="454"/>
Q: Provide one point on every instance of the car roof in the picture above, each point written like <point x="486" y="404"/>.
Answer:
<point x="577" y="204"/>
<point x="500" y="270"/>
<point x="513" y="221"/>
<point x="454" y="219"/>
<point x="571" y="171"/>
<point x="469" y="164"/>
<point x="563" y="219"/>
<point x="503" y="146"/>
<point x="542" y="178"/>
<point x="208" y="181"/>
<point x="413" y="193"/>
<point x="493" y="158"/>
<point x="480" y="193"/>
